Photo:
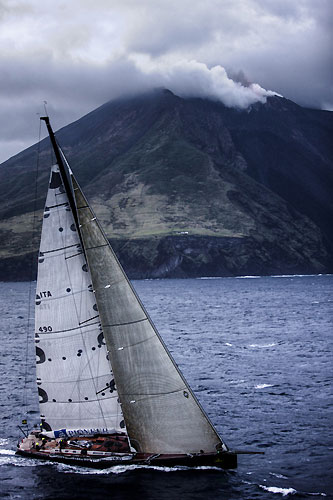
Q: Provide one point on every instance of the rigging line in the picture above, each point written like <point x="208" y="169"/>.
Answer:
<point x="86" y="320"/>
<point x="32" y="270"/>
<point x="74" y="255"/>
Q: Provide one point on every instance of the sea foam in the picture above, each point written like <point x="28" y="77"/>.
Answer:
<point x="282" y="491"/>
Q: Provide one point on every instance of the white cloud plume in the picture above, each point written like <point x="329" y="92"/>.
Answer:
<point x="195" y="79"/>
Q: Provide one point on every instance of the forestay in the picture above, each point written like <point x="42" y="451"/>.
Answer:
<point x="161" y="413"/>
<point x="75" y="382"/>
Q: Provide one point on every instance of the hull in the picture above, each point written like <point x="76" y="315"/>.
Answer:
<point x="224" y="460"/>
<point x="104" y="451"/>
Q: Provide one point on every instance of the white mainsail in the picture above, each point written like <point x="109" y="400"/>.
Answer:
<point x="74" y="378"/>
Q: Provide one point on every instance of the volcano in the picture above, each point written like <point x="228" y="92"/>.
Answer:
<point x="186" y="187"/>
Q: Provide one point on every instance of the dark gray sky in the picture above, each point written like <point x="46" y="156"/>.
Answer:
<point x="78" y="54"/>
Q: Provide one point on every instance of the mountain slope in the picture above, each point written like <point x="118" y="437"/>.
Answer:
<point x="188" y="187"/>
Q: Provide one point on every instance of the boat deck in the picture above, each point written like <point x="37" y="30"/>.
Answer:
<point x="109" y="450"/>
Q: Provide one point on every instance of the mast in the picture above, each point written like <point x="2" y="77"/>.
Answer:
<point x="64" y="173"/>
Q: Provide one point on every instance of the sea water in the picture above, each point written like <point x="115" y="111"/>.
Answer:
<point x="258" y="354"/>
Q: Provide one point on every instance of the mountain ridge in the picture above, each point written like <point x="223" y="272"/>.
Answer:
<point x="182" y="184"/>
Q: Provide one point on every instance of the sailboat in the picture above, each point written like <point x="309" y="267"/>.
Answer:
<point x="109" y="390"/>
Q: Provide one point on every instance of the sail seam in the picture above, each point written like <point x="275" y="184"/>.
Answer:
<point x="105" y="375"/>
<point x="98" y="246"/>
<point x="86" y="418"/>
<point x="124" y="324"/>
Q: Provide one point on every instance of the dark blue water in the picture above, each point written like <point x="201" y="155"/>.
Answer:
<point x="258" y="354"/>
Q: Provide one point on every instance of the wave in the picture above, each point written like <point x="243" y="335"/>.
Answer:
<point x="121" y="469"/>
<point x="279" y="476"/>
<point x="16" y="461"/>
<point x="288" y="491"/>
<point x="7" y="452"/>
<point x="238" y="381"/>
<point x="8" y="457"/>
<point x="285" y="492"/>
<point x="263" y="345"/>
<point x="274" y="489"/>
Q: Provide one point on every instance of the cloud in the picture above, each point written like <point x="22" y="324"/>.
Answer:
<point x="79" y="54"/>
<point x="192" y="78"/>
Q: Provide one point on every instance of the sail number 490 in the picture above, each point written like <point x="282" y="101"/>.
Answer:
<point x="45" y="329"/>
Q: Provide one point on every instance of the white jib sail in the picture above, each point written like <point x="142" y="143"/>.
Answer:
<point x="74" y="378"/>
